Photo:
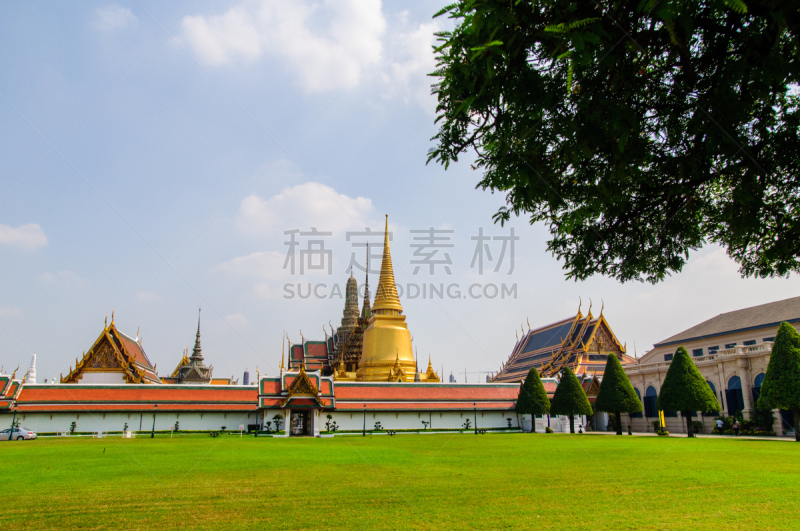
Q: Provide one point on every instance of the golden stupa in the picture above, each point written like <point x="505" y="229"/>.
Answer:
<point x="387" y="351"/>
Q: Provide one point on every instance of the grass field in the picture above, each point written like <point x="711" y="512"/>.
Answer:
<point x="448" y="481"/>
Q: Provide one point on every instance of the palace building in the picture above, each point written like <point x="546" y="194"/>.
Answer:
<point x="580" y="342"/>
<point x="731" y="351"/>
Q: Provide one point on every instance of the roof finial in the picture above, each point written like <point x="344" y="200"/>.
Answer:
<point x="580" y="304"/>
<point x="602" y="307"/>
<point x="105" y="323"/>
<point x="112" y="316"/>
<point x="528" y="319"/>
<point x="197" y="351"/>
<point x="386" y="299"/>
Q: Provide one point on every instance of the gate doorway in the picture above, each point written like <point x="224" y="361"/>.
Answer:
<point x="300" y="423"/>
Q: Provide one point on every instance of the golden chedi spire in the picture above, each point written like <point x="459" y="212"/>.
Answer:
<point x="387" y="341"/>
<point x="386" y="297"/>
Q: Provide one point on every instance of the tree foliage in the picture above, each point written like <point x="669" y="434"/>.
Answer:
<point x="781" y="386"/>
<point x="684" y="388"/>
<point x="636" y="130"/>
<point x="532" y="399"/>
<point x="570" y="398"/>
<point x="616" y="393"/>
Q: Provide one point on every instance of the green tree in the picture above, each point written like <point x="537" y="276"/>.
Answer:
<point x="636" y="130"/>
<point x="781" y="387"/>
<point x="570" y="399"/>
<point x="616" y="393"/>
<point x="532" y="399"/>
<point x="685" y="390"/>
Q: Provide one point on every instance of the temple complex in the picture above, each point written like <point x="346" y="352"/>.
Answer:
<point x="582" y="343"/>
<point x="373" y="346"/>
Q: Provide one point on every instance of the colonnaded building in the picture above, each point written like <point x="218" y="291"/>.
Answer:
<point x="731" y="351"/>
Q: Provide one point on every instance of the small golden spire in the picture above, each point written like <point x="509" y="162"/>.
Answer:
<point x="105" y="323"/>
<point x="112" y="316"/>
<point x="386" y="297"/>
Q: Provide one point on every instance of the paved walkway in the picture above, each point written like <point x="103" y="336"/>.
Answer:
<point x="699" y="435"/>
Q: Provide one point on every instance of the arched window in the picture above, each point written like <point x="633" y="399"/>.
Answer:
<point x="650" y="396"/>
<point x="757" y="388"/>
<point x="733" y="395"/>
<point x="713" y="390"/>
<point x="639" y="395"/>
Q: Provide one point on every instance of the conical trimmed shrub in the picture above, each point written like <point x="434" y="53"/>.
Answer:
<point x="532" y="399"/>
<point x="685" y="390"/>
<point x="570" y="399"/>
<point x="781" y="386"/>
<point x="616" y="393"/>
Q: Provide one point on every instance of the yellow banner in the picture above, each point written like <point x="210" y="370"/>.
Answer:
<point x="661" y="419"/>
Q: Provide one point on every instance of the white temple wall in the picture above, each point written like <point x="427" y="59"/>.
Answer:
<point x="412" y="420"/>
<point x="137" y="421"/>
<point x="94" y="377"/>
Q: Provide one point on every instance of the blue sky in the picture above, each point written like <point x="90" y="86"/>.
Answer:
<point x="153" y="154"/>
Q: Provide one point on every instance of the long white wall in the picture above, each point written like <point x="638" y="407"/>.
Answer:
<point x="413" y="420"/>
<point x="94" y="422"/>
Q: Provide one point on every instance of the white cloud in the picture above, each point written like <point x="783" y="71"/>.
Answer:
<point x="304" y="206"/>
<point x="30" y="236"/>
<point x="411" y="61"/>
<point x="9" y="311"/>
<point x="325" y="45"/>
<point x="113" y="17"/>
<point x="237" y="320"/>
<point x="62" y="278"/>
<point x="264" y="265"/>
<point x="146" y="296"/>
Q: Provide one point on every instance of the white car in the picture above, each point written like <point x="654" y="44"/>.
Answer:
<point x="19" y="434"/>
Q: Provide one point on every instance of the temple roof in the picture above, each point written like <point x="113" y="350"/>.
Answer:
<point x="581" y="342"/>
<point x="114" y="351"/>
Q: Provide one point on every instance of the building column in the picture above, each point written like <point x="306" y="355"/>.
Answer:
<point x="777" y="422"/>
<point x="747" y="387"/>
<point x="722" y="386"/>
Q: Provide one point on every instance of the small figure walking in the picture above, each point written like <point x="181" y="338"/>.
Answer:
<point x="719" y="424"/>
<point x="736" y="428"/>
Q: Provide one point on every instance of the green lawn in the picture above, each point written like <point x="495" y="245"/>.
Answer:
<point x="448" y="481"/>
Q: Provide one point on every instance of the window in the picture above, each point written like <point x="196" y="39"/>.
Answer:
<point x="769" y="339"/>
<point x="639" y="395"/>
<point x="667" y="357"/>
<point x="713" y="390"/>
<point x="714" y="349"/>
<point x="696" y="353"/>
<point x="650" y="397"/>
<point x="730" y="345"/>
<point x="750" y="343"/>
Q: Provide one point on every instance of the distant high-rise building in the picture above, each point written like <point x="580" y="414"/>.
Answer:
<point x="246" y="377"/>
<point x="452" y="378"/>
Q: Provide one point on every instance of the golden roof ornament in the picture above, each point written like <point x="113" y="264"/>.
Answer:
<point x="386" y="297"/>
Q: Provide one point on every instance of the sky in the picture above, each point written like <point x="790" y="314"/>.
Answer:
<point x="161" y="157"/>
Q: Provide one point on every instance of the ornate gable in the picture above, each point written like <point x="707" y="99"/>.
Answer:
<point x="302" y="386"/>
<point x="109" y="354"/>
